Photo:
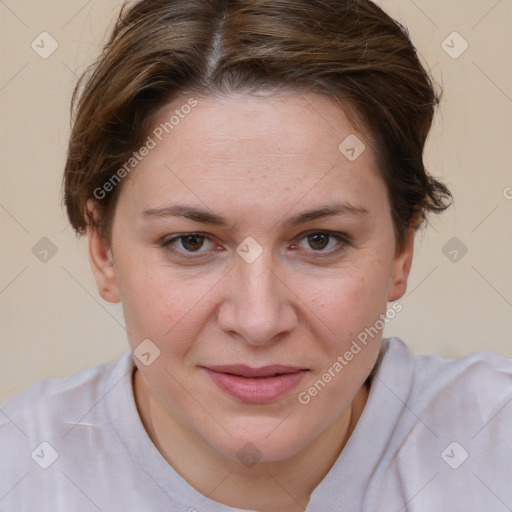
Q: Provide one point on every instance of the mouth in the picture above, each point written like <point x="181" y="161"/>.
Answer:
<point x="256" y="385"/>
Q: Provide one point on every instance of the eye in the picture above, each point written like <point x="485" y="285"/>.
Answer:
<point x="323" y="241"/>
<point x="188" y="243"/>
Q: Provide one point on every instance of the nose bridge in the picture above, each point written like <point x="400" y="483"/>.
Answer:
<point x="259" y="306"/>
<point x="259" y="281"/>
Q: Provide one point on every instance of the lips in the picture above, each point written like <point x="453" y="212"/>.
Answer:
<point x="246" y="371"/>
<point x="256" y="385"/>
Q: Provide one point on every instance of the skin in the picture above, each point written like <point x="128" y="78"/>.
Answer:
<point x="299" y="303"/>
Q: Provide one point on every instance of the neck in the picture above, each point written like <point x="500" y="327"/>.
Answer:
<point x="270" y="486"/>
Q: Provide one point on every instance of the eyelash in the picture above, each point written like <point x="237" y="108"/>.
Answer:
<point x="343" y="242"/>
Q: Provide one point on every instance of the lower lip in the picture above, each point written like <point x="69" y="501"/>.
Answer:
<point x="254" y="390"/>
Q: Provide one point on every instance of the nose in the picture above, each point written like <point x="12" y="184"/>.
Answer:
<point x="258" y="305"/>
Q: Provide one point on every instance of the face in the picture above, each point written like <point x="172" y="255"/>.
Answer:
<point x="252" y="253"/>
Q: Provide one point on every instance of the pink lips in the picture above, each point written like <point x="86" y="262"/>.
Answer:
<point x="256" y="385"/>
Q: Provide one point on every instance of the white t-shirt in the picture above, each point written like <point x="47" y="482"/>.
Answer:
<point x="435" y="436"/>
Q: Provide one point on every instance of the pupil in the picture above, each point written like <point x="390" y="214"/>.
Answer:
<point x="319" y="241"/>
<point x="193" y="242"/>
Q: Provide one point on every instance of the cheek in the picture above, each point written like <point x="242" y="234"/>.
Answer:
<point x="351" y="306"/>
<point x="352" y="300"/>
<point x="161" y="304"/>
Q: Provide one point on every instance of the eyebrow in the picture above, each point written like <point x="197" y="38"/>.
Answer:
<point x="207" y="217"/>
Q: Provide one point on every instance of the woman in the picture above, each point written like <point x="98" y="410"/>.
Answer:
<point x="250" y="177"/>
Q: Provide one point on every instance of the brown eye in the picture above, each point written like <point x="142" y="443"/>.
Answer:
<point x="188" y="243"/>
<point x="318" y="241"/>
<point x="192" y="242"/>
<point x="324" y="243"/>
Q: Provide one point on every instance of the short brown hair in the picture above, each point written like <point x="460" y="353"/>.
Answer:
<point x="349" y="50"/>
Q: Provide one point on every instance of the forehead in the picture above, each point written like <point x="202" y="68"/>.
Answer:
<point x="257" y="146"/>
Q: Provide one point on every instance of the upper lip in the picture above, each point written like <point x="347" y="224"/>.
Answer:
<point x="248" y="371"/>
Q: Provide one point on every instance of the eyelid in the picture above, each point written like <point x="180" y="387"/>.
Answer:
<point x="342" y="238"/>
<point x="167" y="244"/>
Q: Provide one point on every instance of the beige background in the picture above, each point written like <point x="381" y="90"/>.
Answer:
<point x="53" y="322"/>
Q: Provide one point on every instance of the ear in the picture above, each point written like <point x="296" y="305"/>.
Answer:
<point x="101" y="259"/>
<point x="402" y="266"/>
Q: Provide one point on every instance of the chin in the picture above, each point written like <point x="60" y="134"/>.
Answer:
<point x="269" y="441"/>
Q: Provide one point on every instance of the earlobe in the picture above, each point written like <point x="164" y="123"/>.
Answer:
<point x="102" y="263"/>
<point x="402" y="267"/>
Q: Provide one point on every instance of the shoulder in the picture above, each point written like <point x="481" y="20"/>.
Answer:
<point x="84" y="385"/>
<point x="48" y="431"/>
<point x="476" y="364"/>
<point x="50" y="407"/>
<point x="451" y="436"/>
<point x="479" y="385"/>
<point x="454" y="396"/>
<point x="482" y="375"/>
